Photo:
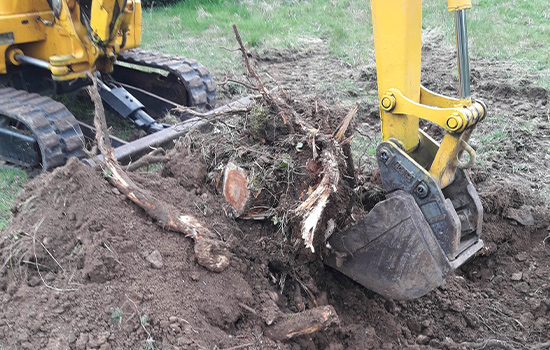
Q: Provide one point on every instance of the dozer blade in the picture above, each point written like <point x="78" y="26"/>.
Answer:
<point x="407" y="244"/>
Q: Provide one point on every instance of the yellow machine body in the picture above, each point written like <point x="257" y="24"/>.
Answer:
<point x="54" y="47"/>
<point x="72" y="37"/>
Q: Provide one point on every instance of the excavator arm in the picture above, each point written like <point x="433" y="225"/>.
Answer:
<point x="430" y="223"/>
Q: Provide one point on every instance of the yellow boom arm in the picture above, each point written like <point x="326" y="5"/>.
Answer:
<point x="397" y="39"/>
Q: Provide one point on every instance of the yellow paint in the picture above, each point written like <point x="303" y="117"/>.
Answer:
<point x="444" y="165"/>
<point x="455" y="5"/>
<point x="454" y="119"/>
<point x="64" y="42"/>
<point x="397" y="27"/>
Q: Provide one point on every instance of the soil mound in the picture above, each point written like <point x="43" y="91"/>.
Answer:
<point x="86" y="269"/>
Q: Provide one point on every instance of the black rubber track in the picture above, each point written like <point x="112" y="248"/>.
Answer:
<point x="54" y="128"/>
<point x="194" y="76"/>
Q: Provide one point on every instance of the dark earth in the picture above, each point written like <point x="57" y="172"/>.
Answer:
<point x="84" y="268"/>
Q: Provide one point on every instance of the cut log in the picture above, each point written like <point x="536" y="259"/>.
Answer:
<point x="246" y="204"/>
<point x="306" y="322"/>
<point x="235" y="188"/>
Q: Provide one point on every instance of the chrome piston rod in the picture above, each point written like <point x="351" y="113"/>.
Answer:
<point x="462" y="55"/>
<point x="32" y="61"/>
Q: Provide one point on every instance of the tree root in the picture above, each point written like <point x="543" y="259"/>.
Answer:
<point x="306" y="322"/>
<point x="211" y="253"/>
<point x="312" y="208"/>
<point x="158" y="155"/>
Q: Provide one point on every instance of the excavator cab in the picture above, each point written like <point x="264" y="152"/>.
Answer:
<point x="430" y="222"/>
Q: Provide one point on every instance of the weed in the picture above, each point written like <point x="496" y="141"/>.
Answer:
<point x="116" y="316"/>
<point x="363" y="149"/>
<point x="107" y="173"/>
<point x="11" y="183"/>
<point x="286" y="161"/>
<point x="258" y="118"/>
<point x="149" y="344"/>
<point x="151" y="167"/>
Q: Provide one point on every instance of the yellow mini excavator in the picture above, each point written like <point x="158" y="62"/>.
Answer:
<point x="52" y="46"/>
<point x="430" y="222"/>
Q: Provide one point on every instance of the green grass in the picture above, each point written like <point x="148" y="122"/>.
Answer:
<point x="515" y="31"/>
<point x="200" y="29"/>
<point x="490" y="144"/>
<point x="11" y="183"/>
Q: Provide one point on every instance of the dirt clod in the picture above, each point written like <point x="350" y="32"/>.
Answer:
<point x="155" y="259"/>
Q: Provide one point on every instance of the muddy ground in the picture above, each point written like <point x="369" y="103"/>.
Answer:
<point x="84" y="268"/>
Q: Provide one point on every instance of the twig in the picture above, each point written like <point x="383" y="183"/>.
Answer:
<point x="239" y="346"/>
<point x="148" y="159"/>
<point x="489" y="343"/>
<point x="251" y="71"/>
<point x="229" y="50"/>
<point x="239" y="82"/>
<point x="212" y="114"/>
<point x="306" y="289"/>
<point x="540" y="346"/>
<point x="279" y="87"/>
<point x="263" y="91"/>
<point x="248" y="308"/>
<point x="115" y="254"/>
<point x="343" y="127"/>
<point x="35" y="264"/>
<point x="37" y="226"/>
<point x="141" y="323"/>
<point x="51" y="256"/>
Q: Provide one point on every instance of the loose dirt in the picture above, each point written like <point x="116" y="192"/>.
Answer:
<point x="84" y="268"/>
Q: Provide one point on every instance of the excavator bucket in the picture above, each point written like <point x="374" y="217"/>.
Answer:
<point x="408" y="243"/>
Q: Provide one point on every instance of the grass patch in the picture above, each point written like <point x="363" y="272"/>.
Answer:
<point x="518" y="32"/>
<point x="11" y="183"/>
<point x="514" y="31"/>
<point x="200" y="29"/>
